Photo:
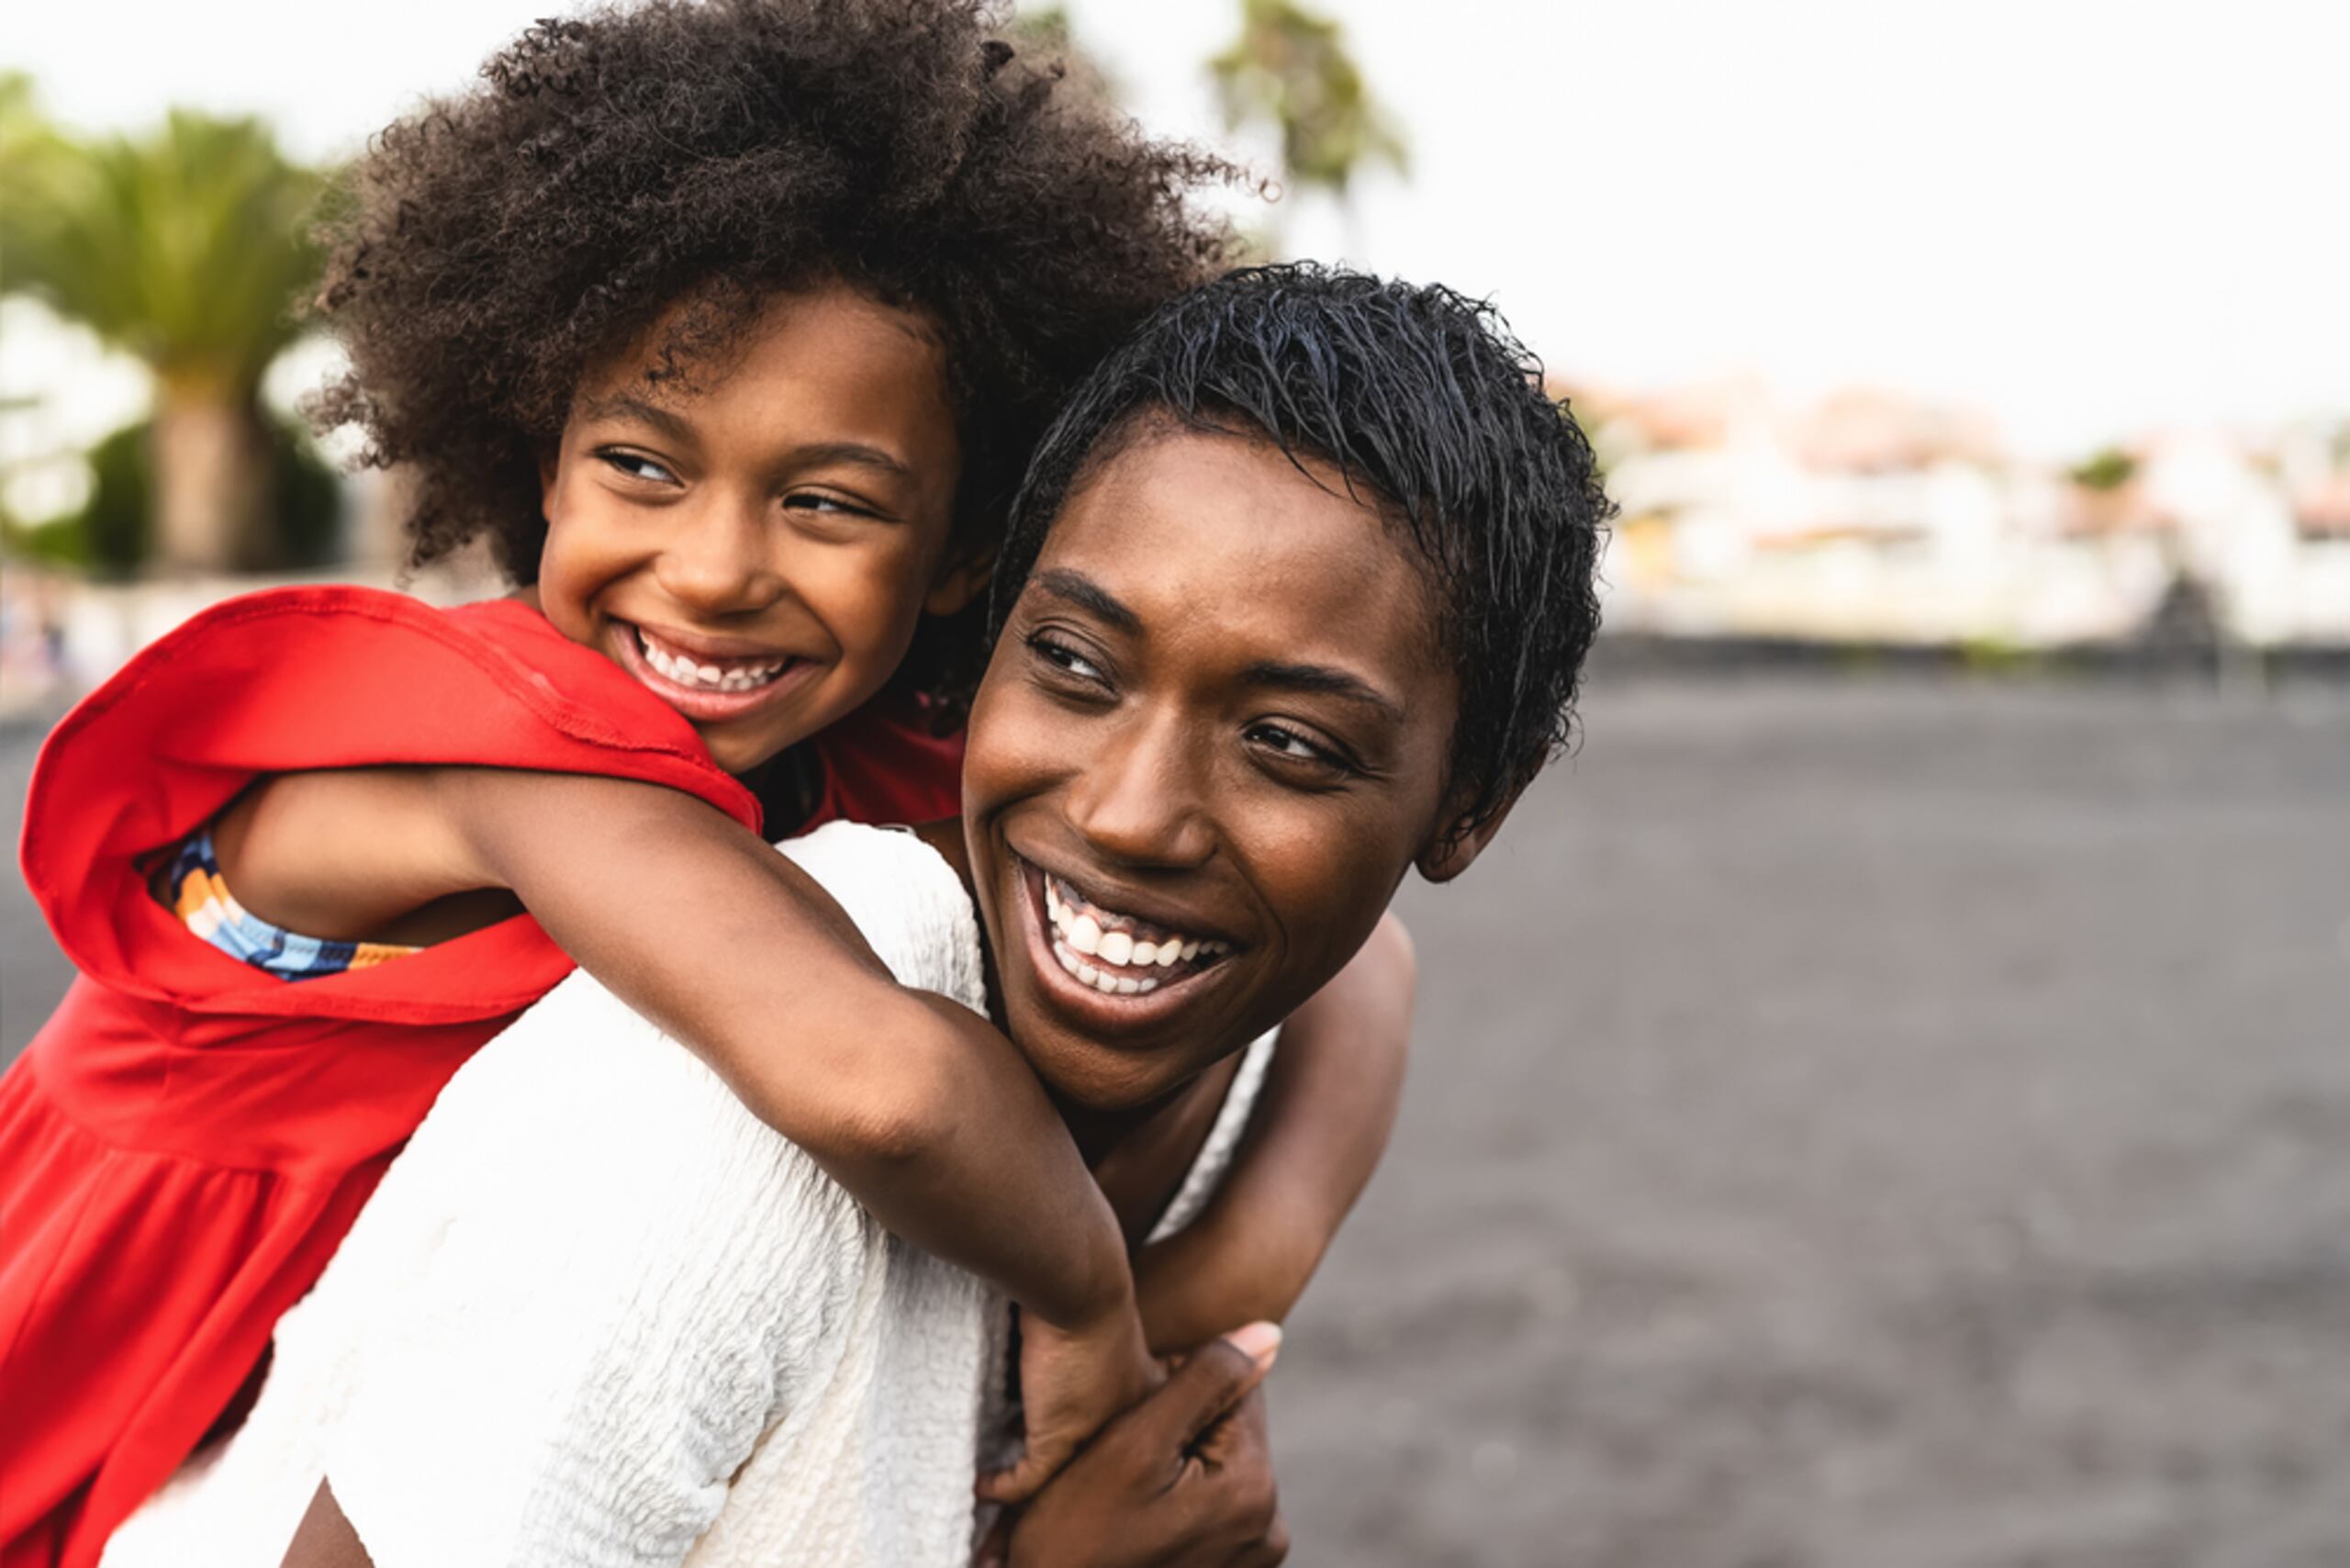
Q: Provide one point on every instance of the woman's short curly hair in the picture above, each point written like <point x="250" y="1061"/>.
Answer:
<point x="1432" y="411"/>
<point x="495" y="246"/>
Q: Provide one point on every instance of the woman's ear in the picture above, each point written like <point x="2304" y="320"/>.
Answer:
<point x="1460" y="836"/>
<point x="959" y="582"/>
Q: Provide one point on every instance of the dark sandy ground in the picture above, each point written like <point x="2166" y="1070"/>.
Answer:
<point x="1864" y="1123"/>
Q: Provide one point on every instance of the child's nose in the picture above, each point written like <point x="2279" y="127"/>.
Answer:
<point x="720" y="561"/>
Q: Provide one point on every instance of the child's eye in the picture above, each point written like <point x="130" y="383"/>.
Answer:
<point x="1061" y="656"/>
<point x="1293" y="746"/>
<point x="635" y="465"/>
<point x="827" y="505"/>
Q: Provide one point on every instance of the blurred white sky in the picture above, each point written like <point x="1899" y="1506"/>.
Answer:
<point x="2089" y="217"/>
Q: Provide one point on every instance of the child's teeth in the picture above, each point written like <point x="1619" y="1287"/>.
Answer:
<point x="1085" y="935"/>
<point x="691" y="672"/>
<point x="1117" y="947"/>
<point x="1171" y="955"/>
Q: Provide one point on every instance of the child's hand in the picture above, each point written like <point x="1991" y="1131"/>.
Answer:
<point x="1072" y="1383"/>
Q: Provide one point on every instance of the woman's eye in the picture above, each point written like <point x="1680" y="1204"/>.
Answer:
<point x="636" y="466"/>
<point x="1292" y="746"/>
<point x="1062" y="656"/>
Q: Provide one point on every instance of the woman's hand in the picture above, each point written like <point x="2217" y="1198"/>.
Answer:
<point x="1184" y="1478"/>
<point x="1072" y="1384"/>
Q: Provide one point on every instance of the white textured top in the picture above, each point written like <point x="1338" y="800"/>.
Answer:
<point x="599" y="1315"/>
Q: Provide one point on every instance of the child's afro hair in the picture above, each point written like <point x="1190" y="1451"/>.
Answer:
<point x="495" y="245"/>
<point x="1429" y="407"/>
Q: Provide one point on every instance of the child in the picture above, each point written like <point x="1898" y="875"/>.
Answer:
<point x="730" y="325"/>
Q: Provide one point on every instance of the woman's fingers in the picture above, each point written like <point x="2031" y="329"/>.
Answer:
<point x="1214" y="1379"/>
<point x="1026" y="1479"/>
<point x="995" y="1552"/>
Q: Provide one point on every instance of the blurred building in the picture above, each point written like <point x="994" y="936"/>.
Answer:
<point x="1874" y="516"/>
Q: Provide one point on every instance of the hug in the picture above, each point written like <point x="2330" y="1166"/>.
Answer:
<point x="1292" y="601"/>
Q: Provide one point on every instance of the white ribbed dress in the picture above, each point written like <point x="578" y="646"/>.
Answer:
<point x="598" y="1315"/>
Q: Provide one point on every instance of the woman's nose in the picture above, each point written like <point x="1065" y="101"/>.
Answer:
<point x="1141" y="797"/>
<point x="719" y="559"/>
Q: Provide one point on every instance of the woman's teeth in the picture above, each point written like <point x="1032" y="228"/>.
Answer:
<point x="733" y="676"/>
<point x="1117" y="954"/>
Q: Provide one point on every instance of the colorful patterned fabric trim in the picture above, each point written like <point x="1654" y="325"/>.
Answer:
<point x="193" y="891"/>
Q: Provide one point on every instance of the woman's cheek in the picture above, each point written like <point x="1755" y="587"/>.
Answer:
<point x="1027" y="744"/>
<point x="1328" y="876"/>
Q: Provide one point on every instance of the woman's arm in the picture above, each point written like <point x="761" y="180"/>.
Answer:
<point x="920" y="1108"/>
<point x="1329" y="1102"/>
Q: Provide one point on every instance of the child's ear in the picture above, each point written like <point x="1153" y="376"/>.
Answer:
<point x="959" y="582"/>
<point x="1460" y="837"/>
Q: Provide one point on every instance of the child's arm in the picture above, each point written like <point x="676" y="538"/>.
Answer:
<point x="1329" y="1102"/>
<point x="920" y="1108"/>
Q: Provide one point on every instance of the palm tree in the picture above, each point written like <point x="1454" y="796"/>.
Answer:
<point x="1290" y="69"/>
<point x="187" y="248"/>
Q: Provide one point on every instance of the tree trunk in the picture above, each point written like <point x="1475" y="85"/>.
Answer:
<point x="212" y="479"/>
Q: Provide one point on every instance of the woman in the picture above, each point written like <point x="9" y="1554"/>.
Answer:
<point x="1294" y="601"/>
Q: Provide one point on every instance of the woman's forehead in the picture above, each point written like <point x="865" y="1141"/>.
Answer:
<point x="1191" y="531"/>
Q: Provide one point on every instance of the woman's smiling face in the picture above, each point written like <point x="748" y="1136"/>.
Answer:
<point x="756" y="551"/>
<point x="1212" y="740"/>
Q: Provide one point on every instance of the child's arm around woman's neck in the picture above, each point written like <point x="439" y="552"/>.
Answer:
<point x="920" y="1108"/>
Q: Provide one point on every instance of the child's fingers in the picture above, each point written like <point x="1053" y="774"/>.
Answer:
<point x="1217" y="1376"/>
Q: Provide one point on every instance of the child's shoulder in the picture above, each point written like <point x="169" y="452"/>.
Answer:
<point x="332" y="659"/>
<point x="336" y="623"/>
<point x="328" y="677"/>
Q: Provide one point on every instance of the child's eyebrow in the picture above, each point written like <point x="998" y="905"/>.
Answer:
<point x="853" y="451"/>
<point x="620" y="406"/>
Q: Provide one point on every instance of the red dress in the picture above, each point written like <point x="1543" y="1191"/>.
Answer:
<point x="188" y="1139"/>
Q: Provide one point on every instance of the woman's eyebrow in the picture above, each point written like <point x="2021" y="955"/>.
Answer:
<point x="1324" y="681"/>
<point x="1077" y="589"/>
<point x="1086" y="594"/>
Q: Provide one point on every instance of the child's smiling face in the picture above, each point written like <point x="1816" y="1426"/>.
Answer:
<point x="757" y="550"/>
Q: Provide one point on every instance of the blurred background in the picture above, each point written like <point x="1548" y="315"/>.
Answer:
<point x="1888" y="1105"/>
